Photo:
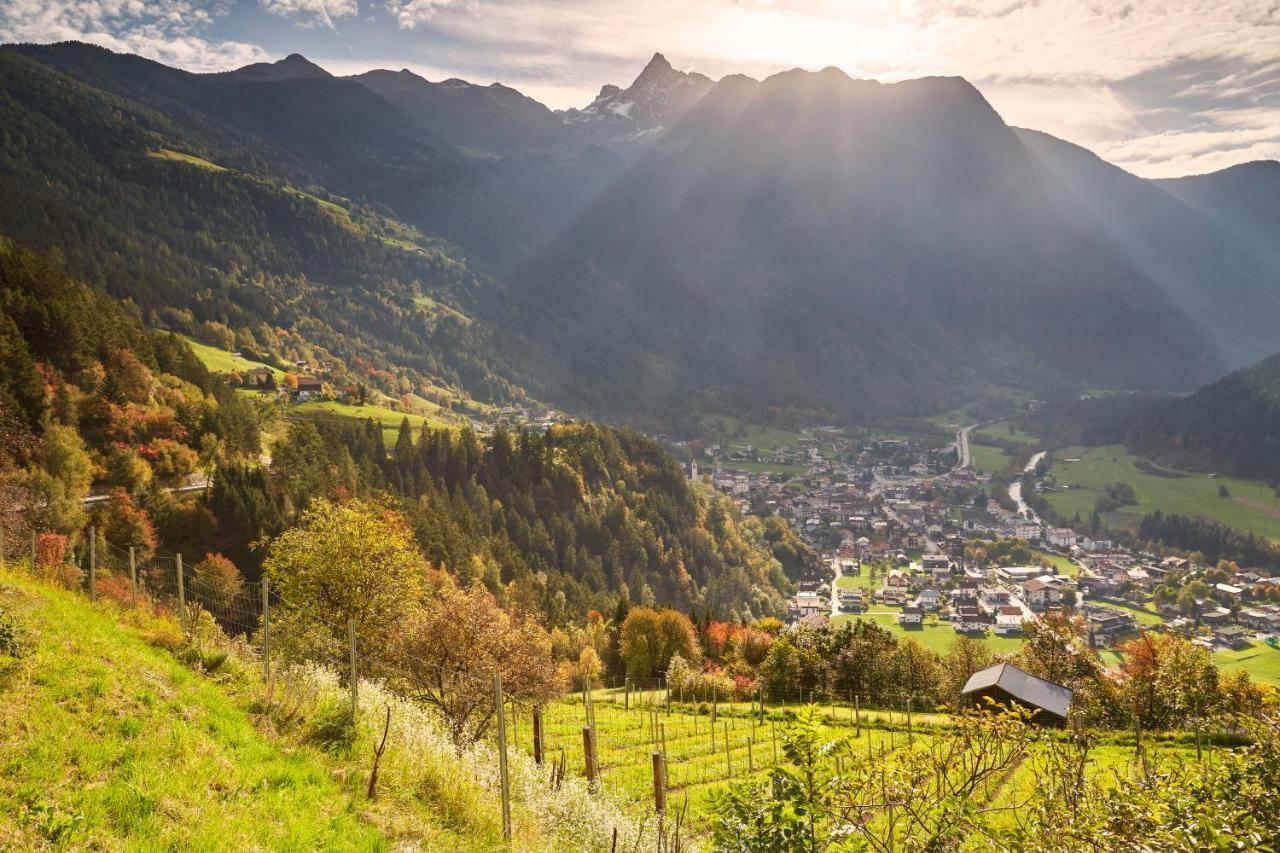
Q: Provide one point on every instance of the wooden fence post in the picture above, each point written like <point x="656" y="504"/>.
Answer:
<point x="182" y="593"/>
<point x="857" y="717"/>
<point x="659" y="782"/>
<point x="35" y="549"/>
<point x="589" y="754"/>
<point x="910" y="734"/>
<point x="728" y="758"/>
<point x="355" y="674"/>
<point x="133" y="576"/>
<point x="537" y="734"/>
<point x="93" y="563"/>
<point x="266" y="629"/>
<point x="500" y="704"/>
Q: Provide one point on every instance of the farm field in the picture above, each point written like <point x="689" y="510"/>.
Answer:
<point x="739" y="432"/>
<point x="745" y="745"/>
<point x="939" y="637"/>
<point x="1251" y="505"/>
<point x="766" y="468"/>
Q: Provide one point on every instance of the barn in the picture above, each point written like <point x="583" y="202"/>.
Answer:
<point x="1010" y="686"/>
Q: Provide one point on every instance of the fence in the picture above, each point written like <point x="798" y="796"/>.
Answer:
<point x="642" y="739"/>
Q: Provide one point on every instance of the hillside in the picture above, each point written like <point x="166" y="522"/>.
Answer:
<point x="123" y="730"/>
<point x="1231" y="426"/>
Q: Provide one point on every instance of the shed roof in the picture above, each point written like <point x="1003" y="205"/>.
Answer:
<point x="1023" y="686"/>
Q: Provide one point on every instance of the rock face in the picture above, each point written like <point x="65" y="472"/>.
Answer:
<point x="640" y="112"/>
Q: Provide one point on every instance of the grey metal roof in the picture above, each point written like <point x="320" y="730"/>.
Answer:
<point x="1023" y="686"/>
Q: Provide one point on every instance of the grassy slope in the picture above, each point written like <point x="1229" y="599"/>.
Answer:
<point x="989" y="460"/>
<point x="112" y="738"/>
<point x="221" y="361"/>
<point x="1251" y="505"/>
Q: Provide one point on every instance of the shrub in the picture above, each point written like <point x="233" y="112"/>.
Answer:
<point x="13" y="642"/>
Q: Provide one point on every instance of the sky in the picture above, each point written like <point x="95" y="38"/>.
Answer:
<point x="1159" y="87"/>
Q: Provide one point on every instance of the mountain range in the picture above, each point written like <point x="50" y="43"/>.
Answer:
<point x="808" y="242"/>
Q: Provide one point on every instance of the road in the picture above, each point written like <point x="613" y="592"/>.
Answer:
<point x="835" y="586"/>
<point x="1015" y="490"/>
<point x="196" y="483"/>
<point x="962" y="441"/>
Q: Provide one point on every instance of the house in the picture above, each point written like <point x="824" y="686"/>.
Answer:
<point x="1040" y="593"/>
<point x="928" y="599"/>
<point x="1231" y="637"/>
<point x="308" y="388"/>
<point x="969" y="620"/>
<point x="911" y="617"/>
<point x="851" y="601"/>
<point x="259" y="377"/>
<point x="1009" y="619"/>
<point x="1264" y="618"/>
<point x="1061" y="537"/>
<point x="1006" y="685"/>
<point x="808" y="603"/>
<point x="1228" y="592"/>
<point x="1107" y="623"/>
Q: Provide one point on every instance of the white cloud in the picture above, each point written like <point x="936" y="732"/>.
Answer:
<point x="312" y="12"/>
<point x="408" y="14"/>
<point x="167" y="31"/>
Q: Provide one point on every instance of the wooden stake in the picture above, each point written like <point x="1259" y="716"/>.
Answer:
<point x="133" y="576"/>
<point x="93" y="563"/>
<point x="659" y="782"/>
<point x="500" y="704"/>
<point x="355" y="675"/>
<point x="182" y="594"/>
<point x="537" y="734"/>
<point x="266" y="625"/>
<point x="589" y="753"/>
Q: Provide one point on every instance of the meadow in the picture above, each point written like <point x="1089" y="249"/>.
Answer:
<point x="1250" y="505"/>
<point x="630" y="730"/>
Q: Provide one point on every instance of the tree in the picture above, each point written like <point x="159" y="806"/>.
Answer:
<point x="448" y="649"/>
<point x="218" y="586"/>
<point x="1167" y="680"/>
<point x="354" y="561"/>
<point x="650" y="637"/>
<point x="62" y="480"/>
<point x="965" y="657"/>
<point x="126" y="525"/>
<point x="1055" y="649"/>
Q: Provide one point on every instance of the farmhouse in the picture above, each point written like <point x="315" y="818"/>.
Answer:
<point x="1007" y="685"/>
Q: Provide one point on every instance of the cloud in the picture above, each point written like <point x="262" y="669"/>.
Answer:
<point x="312" y="12"/>
<point x="168" y="31"/>
<point x="408" y="14"/>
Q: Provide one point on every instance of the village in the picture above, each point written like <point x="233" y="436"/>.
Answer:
<point x="913" y="537"/>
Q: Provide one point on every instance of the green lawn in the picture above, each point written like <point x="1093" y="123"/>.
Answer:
<point x="989" y="460"/>
<point x="938" y="637"/>
<point x="1252" y="505"/>
<point x="765" y="467"/>
<point x="1064" y="565"/>
<point x="738" y="432"/>
<point x="220" y="361"/>
<point x="389" y="418"/>
<point x="1259" y="660"/>
<point x="1000" y="430"/>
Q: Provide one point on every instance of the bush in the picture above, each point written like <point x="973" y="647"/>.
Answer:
<point x="13" y="641"/>
<point x="331" y="727"/>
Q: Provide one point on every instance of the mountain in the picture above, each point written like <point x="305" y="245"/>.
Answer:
<point x="493" y="119"/>
<point x="640" y="112"/>
<point x="1231" y="426"/>
<point x="292" y="67"/>
<point x="1179" y="246"/>
<point x="841" y="247"/>
<point x="1244" y="197"/>
<point x="824" y="243"/>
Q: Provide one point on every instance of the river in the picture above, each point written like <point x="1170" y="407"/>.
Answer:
<point x="1015" y="489"/>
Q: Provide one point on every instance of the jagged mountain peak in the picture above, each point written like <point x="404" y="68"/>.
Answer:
<point x="657" y="98"/>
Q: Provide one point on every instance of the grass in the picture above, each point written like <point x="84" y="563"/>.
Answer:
<point x="1261" y="661"/>
<point x="220" y="361"/>
<point x="1063" y="564"/>
<point x="389" y="418"/>
<point x="765" y="467"/>
<point x="988" y="459"/>
<point x="111" y="744"/>
<point x="1145" y="617"/>
<point x="938" y="638"/>
<point x="188" y="159"/>
<point x="1001" y="430"/>
<point x="1251" y="506"/>
<point x="735" y="432"/>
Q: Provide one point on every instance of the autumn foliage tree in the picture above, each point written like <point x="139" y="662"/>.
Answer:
<point x="650" y="638"/>
<point x="354" y="561"/>
<point x="447" y="651"/>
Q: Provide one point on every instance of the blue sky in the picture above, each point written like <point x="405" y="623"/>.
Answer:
<point x="1160" y="87"/>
